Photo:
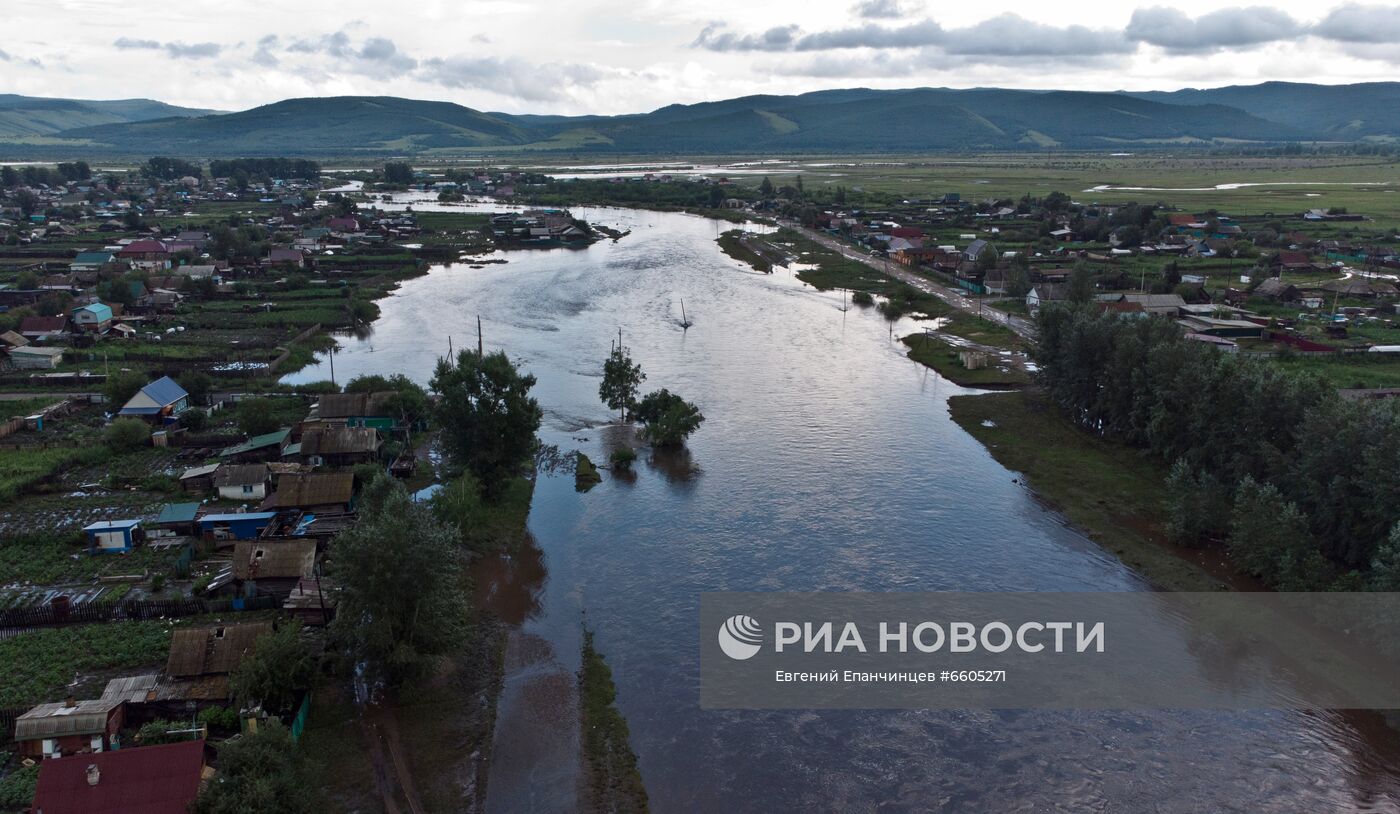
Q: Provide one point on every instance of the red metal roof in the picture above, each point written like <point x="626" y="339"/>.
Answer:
<point x="145" y="247"/>
<point x="150" y="779"/>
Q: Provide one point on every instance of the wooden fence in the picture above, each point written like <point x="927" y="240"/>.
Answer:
<point x="48" y="616"/>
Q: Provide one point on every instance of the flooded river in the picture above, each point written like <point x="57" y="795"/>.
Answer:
<point x="827" y="463"/>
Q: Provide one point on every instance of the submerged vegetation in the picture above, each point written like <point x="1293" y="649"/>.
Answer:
<point x="614" y="783"/>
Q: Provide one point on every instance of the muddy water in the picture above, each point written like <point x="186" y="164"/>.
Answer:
<point x="828" y="463"/>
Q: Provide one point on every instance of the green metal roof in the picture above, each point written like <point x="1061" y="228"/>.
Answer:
<point x="177" y="513"/>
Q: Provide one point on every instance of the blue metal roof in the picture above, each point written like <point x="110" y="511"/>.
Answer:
<point x="164" y="391"/>
<point x="98" y="310"/>
<point x="112" y="525"/>
<point x="229" y="518"/>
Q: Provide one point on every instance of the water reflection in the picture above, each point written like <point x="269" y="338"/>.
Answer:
<point x="827" y="462"/>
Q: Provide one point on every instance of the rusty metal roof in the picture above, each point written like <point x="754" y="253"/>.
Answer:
<point x="212" y="650"/>
<point x="266" y="559"/>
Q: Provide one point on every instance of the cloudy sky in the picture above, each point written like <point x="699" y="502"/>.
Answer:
<point x="623" y="56"/>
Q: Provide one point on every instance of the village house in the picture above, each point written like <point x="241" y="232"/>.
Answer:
<point x="266" y="447"/>
<point x="1043" y="293"/>
<point x="30" y="357"/>
<point x="69" y="727"/>
<point x="162" y="779"/>
<point x="242" y="482"/>
<point x="204" y="656"/>
<point x="158" y="402"/>
<point x="335" y="446"/>
<point x="43" y="327"/>
<point x="272" y="567"/>
<point x="175" y="520"/>
<point x="151" y="255"/>
<point x="92" y="318"/>
<point x="113" y="536"/>
<point x="313" y="492"/>
<point x="226" y="528"/>
<point x="198" y="480"/>
<point x="357" y="410"/>
<point x="93" y="261"/>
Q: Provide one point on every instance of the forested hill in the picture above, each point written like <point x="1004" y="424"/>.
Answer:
<point x="921" y="119"/>
<point x="27" y="116"/>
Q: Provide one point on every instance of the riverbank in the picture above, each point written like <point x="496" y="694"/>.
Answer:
<point x="930" y="351"/>
<point x="1109" y="491"/>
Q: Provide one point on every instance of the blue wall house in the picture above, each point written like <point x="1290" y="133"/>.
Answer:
<point x="113" y="536"/>
<point x="242" y="526"/>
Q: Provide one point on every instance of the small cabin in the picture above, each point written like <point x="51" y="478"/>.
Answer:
<point x="113" y="536"/>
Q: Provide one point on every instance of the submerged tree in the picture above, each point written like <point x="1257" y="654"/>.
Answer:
<point x="622" y="379"/>
<point x="669" y="418"/>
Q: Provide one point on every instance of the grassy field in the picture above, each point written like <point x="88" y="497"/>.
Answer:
<point x="41" y="663"/>
<point x="22" y="469"/>
<point x="942" y="357"/>
<point x="614" y="782"/>
<point x="1109" y="491"/>
<point x="982" y="331"/>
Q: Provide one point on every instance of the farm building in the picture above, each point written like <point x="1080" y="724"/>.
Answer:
<point x="336" y="446"/>
<point x="314" y="492"/>
<point x="30" y="357"/>
<point x="266" y="447"/>
<point x="241" y="526"/>
<point x="272" y="567"/>
<point x="202" y="658"/>
<point x="108" y="536"/>
<point x="69" y="727"/>
<point x="161" y="779"/>
<point x="158" y="401"/>
<point x="94" y="317"/>
<point x="242" y="481"/>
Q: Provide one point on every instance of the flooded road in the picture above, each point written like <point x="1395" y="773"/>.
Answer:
<point x="827" y="463"/>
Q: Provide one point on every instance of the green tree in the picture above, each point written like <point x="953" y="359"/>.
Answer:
<point x="197" y="383"/>
<point x="488" y="417"/>
<point x="126" y="434"/>
<point x="154" y="733"/>
<point x="622" y="379"/>
<point x="1081" y="285"/>
<point x="398" y="172"/>
<point x="402" y="601"/>
<point x="1198" y="505"/>
<point x="260" y="773"/>
<point x="121" y="386"/>
<point x="1385" y="568"/>
<point x="275" y="674"/>
<point x="257" y="416"/>
<point x="1269" y="537"/>
<point x="765" y="188"/>
<point x="669" y="418"/>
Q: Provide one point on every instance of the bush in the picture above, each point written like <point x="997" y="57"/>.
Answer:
<point x="863" y="299"/>
<point x="17" y="789"/>
<point x="121" y="386"/>
<point x="257" y="416"/>
<point x="195" y="420"/>
<point x="126" y="434"/>
<point x="221" y="718"/>
<point x="623" y="457"/>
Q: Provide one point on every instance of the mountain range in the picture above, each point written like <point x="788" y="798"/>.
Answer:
<point x="849" y="120"/>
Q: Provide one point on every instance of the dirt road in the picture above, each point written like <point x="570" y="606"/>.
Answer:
<point x="954" y="297"/>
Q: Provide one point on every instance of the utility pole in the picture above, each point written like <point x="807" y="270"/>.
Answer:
<point x="332" y="365"/>
<point x="480" y="353"/>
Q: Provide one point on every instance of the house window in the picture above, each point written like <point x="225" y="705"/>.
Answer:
<point x="247" y="488"/>
<point x="50" y="746"/>
<point x="96" y="743"/>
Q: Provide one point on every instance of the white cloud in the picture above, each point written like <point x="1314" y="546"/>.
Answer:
<point x="1229" y="27"/>
<point x="1369" y="24"/>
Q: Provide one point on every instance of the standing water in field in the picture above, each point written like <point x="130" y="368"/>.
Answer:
<point x="827" y="462"/>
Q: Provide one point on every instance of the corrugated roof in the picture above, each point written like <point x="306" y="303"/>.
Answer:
<point x="58" y="720"/>
<point x="108" y="525"/>
<point x="240" y="474"/>
<point x="272" y="439"/>
<point x="229" y="518"/>
<point x="354" y="405"/>
<point x="339" y="440"/>
<point x="212" y="650"/>
<point x="136" y="689"/>
<point x="164" y="391"/>
<point x="178" y="513"/>
<point x="150" y="779"/>
<point x="199" y="471"/>
<point x="260" y="559"/>
<point x="313" y="489"/>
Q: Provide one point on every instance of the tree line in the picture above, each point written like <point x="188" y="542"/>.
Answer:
<point x="1298" y="484"/>
<point x="265" y="168"/>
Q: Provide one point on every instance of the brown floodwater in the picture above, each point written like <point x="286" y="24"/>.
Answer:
<point x="828" y="463"/>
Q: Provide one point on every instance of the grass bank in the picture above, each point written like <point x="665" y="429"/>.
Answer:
<point x="732" y="243"/>
<point x="1108" y="490"/>
<point x="943" y="357"/>
<point x="614" y="783"/>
